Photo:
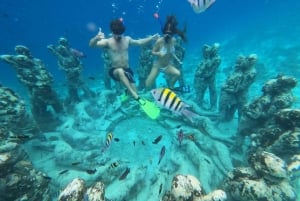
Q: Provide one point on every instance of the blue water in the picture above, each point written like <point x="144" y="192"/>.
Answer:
<point x="39" y="23"/>
<point x="240" y="26"/>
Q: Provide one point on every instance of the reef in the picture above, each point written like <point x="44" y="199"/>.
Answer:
<point x="77" y="191"/>
<point x="32" y="73"/>
<point x="277" y="95"/>
<point x="13" y="113"/>
<point x="266" y="179"/>
<point x="19" y="180"/>
<point x="187" y="187"/>
<point x="234" y="92"/>
<point x="205" y="76"/>
<point x="105" y="144"/>
<point x="69" y="61"/>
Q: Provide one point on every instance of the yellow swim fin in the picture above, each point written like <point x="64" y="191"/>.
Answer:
<point x="150" y="108"/>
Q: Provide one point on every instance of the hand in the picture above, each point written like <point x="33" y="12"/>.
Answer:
<point x="100" y="34"/>
<point x="155" y="36"/>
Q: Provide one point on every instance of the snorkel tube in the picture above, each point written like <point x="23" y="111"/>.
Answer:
<point x="156" y="16"/>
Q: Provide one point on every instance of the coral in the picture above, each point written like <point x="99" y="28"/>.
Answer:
<point x="74" y="191"/>
<point x="187" y="188"/>
<point x="266" y="179"/>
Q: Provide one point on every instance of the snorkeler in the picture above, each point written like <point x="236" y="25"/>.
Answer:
<point x="116" y="47"/>
<point x="164" y="50"/>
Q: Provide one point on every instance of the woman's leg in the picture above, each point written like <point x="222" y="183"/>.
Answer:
<point x="174" y="74"/>
<point x="152" y="76"/>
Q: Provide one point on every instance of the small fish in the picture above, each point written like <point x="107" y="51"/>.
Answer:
<point x="207" y="160"/>
<point x="19" y="137"/>
<point x="169" y="100"/>
<point x="160" y="189"/>
<point x="178" y="126"/>
<point x="63" y="172"/>
<point x="157" y="139"/>
<point x="75" y="163"/>
<point x="200" y="6"/>
<point x="77" y="53"/>
<point x="180" y="136"/>
<point x="116" y="139"/>
<point x="143" y="143"/>
<point x="109" y="137"/>
<point x="91" y="171"/>
<point x="125" y="173"/>
<point x="191" y="137"/>
<point x="162" y="153"/>
<point x="47" y="177"/>
<point x="114" y="165"/>
<point x="91" y="78"/>
<point x="133" y="143"/>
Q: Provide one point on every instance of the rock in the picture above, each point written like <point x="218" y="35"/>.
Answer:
<point x="96" y="192"/>
<point x="74" y="191"/>
<point x="185" y="187"/>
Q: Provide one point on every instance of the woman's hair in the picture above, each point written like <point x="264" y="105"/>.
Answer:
<point x="170" y="27"/>
<point x="117" y="27"/>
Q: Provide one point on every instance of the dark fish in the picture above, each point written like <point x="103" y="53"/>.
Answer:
<point x="157" y="139"/>
<point x="162" y="153"/>
<point x="207" y="161"/>
<point x="180" y="136"/>
<point x="91" y="171"/>
<point x="92" y="78"/>
<point x="75" y="163"/>
<point x="116" y="139"/>
<point x="160" y="189"/>
<point x="20" y="137"/>
<point x="47" y="177"/>
<point x="133" y="143"/>
<point x="63" y="172"/>
<point x="143" y="143"/>
<point x="125" y="173"/>
<point x="77" y="53"/>
<point x="178" y="126"/>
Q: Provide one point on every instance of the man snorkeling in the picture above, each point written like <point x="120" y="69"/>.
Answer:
<point x="117" y="49"/>
<point x="164" y="50"/>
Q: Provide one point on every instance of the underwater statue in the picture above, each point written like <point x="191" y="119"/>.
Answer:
<point x="205" y="76"/>
<point x="69" y="61"/>
<point x="32" y="73"/>
<point x="234" y="91"/>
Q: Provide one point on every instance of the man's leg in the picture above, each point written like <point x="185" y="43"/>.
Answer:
<point x="120" y="74"/>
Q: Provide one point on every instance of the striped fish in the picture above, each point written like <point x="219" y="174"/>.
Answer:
<point x="169" y="100"/>
<point x="114" y="165"/>
<point x="200" y="6"/>
<point x="109" y="138"/>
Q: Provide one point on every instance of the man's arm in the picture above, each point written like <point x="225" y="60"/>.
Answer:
<point x="143" y="41"/>
<point x="98" y="41"/>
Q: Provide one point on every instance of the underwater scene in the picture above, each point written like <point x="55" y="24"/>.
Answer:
<point x="150" y="100"/>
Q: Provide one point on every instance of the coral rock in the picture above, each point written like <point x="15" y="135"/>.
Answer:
<point x="73" y="192"/>
<point x="96" y="193"/>
<point x="185" y="187"/>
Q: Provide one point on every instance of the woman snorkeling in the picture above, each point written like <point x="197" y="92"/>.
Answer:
<point x="164" y="50"/>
